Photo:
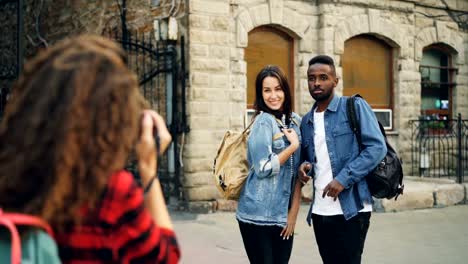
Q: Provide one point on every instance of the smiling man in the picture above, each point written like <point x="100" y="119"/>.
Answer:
<point x="342" y="204"/>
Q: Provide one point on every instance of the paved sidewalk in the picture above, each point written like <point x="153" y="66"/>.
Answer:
<point x="436" y="235"/>
<point x="419" y="193"/>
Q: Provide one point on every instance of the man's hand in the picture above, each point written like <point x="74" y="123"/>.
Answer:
<point x="304" y="170"/>
<point x="333" y="189"/>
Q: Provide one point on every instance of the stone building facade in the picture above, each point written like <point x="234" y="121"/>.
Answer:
<point x="219" y="36"/>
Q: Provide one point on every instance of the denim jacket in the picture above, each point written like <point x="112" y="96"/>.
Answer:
<point x="265" y="197"/>
<point x="349" y="167"/>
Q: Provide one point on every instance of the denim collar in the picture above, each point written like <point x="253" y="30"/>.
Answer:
<point x="332" y="106"/>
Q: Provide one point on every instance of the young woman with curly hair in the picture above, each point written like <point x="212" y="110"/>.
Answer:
<point x="73" y="117"/>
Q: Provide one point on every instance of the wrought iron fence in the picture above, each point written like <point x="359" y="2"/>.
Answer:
<point x="160" y="67"/>
<point x="11" y="46"/>
<point x="161" y="75"/>
<point x="439" y="148"/>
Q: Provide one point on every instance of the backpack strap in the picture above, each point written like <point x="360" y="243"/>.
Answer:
<point x="247" y="129"/>
<point x="10" y="220"/>
<point x="352" y="117"/>
<point x="356" y="128"/>
<point x="295" y="121"/>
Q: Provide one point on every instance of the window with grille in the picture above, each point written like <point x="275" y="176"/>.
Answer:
<point x="436" y="83"/>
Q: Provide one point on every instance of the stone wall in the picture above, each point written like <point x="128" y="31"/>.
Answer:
<point x="218" y="34"/>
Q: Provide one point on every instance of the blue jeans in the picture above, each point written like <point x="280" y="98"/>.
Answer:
<point x="339" y="240"/>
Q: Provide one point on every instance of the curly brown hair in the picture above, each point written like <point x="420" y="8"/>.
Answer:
<point x="71" y="122"/>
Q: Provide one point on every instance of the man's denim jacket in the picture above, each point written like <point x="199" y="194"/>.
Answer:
<point x="264" y="199"/>
<point x="349" y="167"/>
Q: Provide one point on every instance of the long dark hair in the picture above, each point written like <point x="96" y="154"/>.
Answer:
<point x="259" y="104"/>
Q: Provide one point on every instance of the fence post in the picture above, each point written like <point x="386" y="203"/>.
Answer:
<point x="460" y="153"/>
<point x="19" y="36"/>
<point x="123" y="20"/>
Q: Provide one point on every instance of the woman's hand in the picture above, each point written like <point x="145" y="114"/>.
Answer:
<point x="165" y="137"/>
<point x="146" y="146"/>
<point x="148" y="165"/>
<point x="293" y="139"/>
<point x="288" y="230"/>
<point x="291" y="135"/>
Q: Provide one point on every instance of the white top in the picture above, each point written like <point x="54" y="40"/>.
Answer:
<point x="324" y="174"/>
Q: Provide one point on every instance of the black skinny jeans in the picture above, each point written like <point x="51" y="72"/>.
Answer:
<point x="340" y="241"/>
<point x="264" y="245"/>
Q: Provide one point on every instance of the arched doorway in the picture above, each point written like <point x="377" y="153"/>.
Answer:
<point x="268" y="45"/>
<point x="368" y="70"/>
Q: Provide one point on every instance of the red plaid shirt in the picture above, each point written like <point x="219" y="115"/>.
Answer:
<point x="120" y="231"/>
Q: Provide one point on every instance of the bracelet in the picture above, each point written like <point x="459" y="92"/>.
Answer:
<point x="148" y="186"/>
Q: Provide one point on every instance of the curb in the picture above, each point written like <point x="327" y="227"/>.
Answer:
<point x="420" y="193"/>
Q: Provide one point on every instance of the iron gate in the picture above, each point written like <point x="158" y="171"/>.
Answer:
<point x="11" y="46"/>
<point x="160" y="71"/>
<point x="162" y="82"/>
<point x="439" y="148"/>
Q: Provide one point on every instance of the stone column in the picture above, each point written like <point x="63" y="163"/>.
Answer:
<point x="209" y="103"/>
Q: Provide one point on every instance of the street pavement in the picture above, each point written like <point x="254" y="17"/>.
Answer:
<point x="436" y="235"/>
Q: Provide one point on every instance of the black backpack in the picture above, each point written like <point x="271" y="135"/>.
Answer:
<point x="386" y="180"/>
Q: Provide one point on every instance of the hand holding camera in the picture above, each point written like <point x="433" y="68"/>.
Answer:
<point x="147" y="148"/>
<point x="152" y="128"/>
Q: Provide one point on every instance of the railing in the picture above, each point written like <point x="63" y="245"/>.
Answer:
<point x="439" y="148"/>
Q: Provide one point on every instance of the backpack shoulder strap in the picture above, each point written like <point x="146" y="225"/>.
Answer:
<point x="295" y="118"/>
<point x="352" y="117"/>
<point x="29" y="220"/>
<point x="247" y="129"/>
<point x="15" y="238"/>
<point x="10" y="220"/>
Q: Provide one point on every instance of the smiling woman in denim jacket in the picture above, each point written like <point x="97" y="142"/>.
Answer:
<point x="269" y="202"/>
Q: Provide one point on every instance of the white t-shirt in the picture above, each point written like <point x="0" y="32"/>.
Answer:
<point x="324" y="174"/>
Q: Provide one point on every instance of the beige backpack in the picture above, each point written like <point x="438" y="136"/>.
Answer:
<point x="231" y="168"/>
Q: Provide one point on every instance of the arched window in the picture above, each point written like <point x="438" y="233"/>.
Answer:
<point x="436" y="82"/>
<point x="367" y="70"/>
<point x="266" y="46"/>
